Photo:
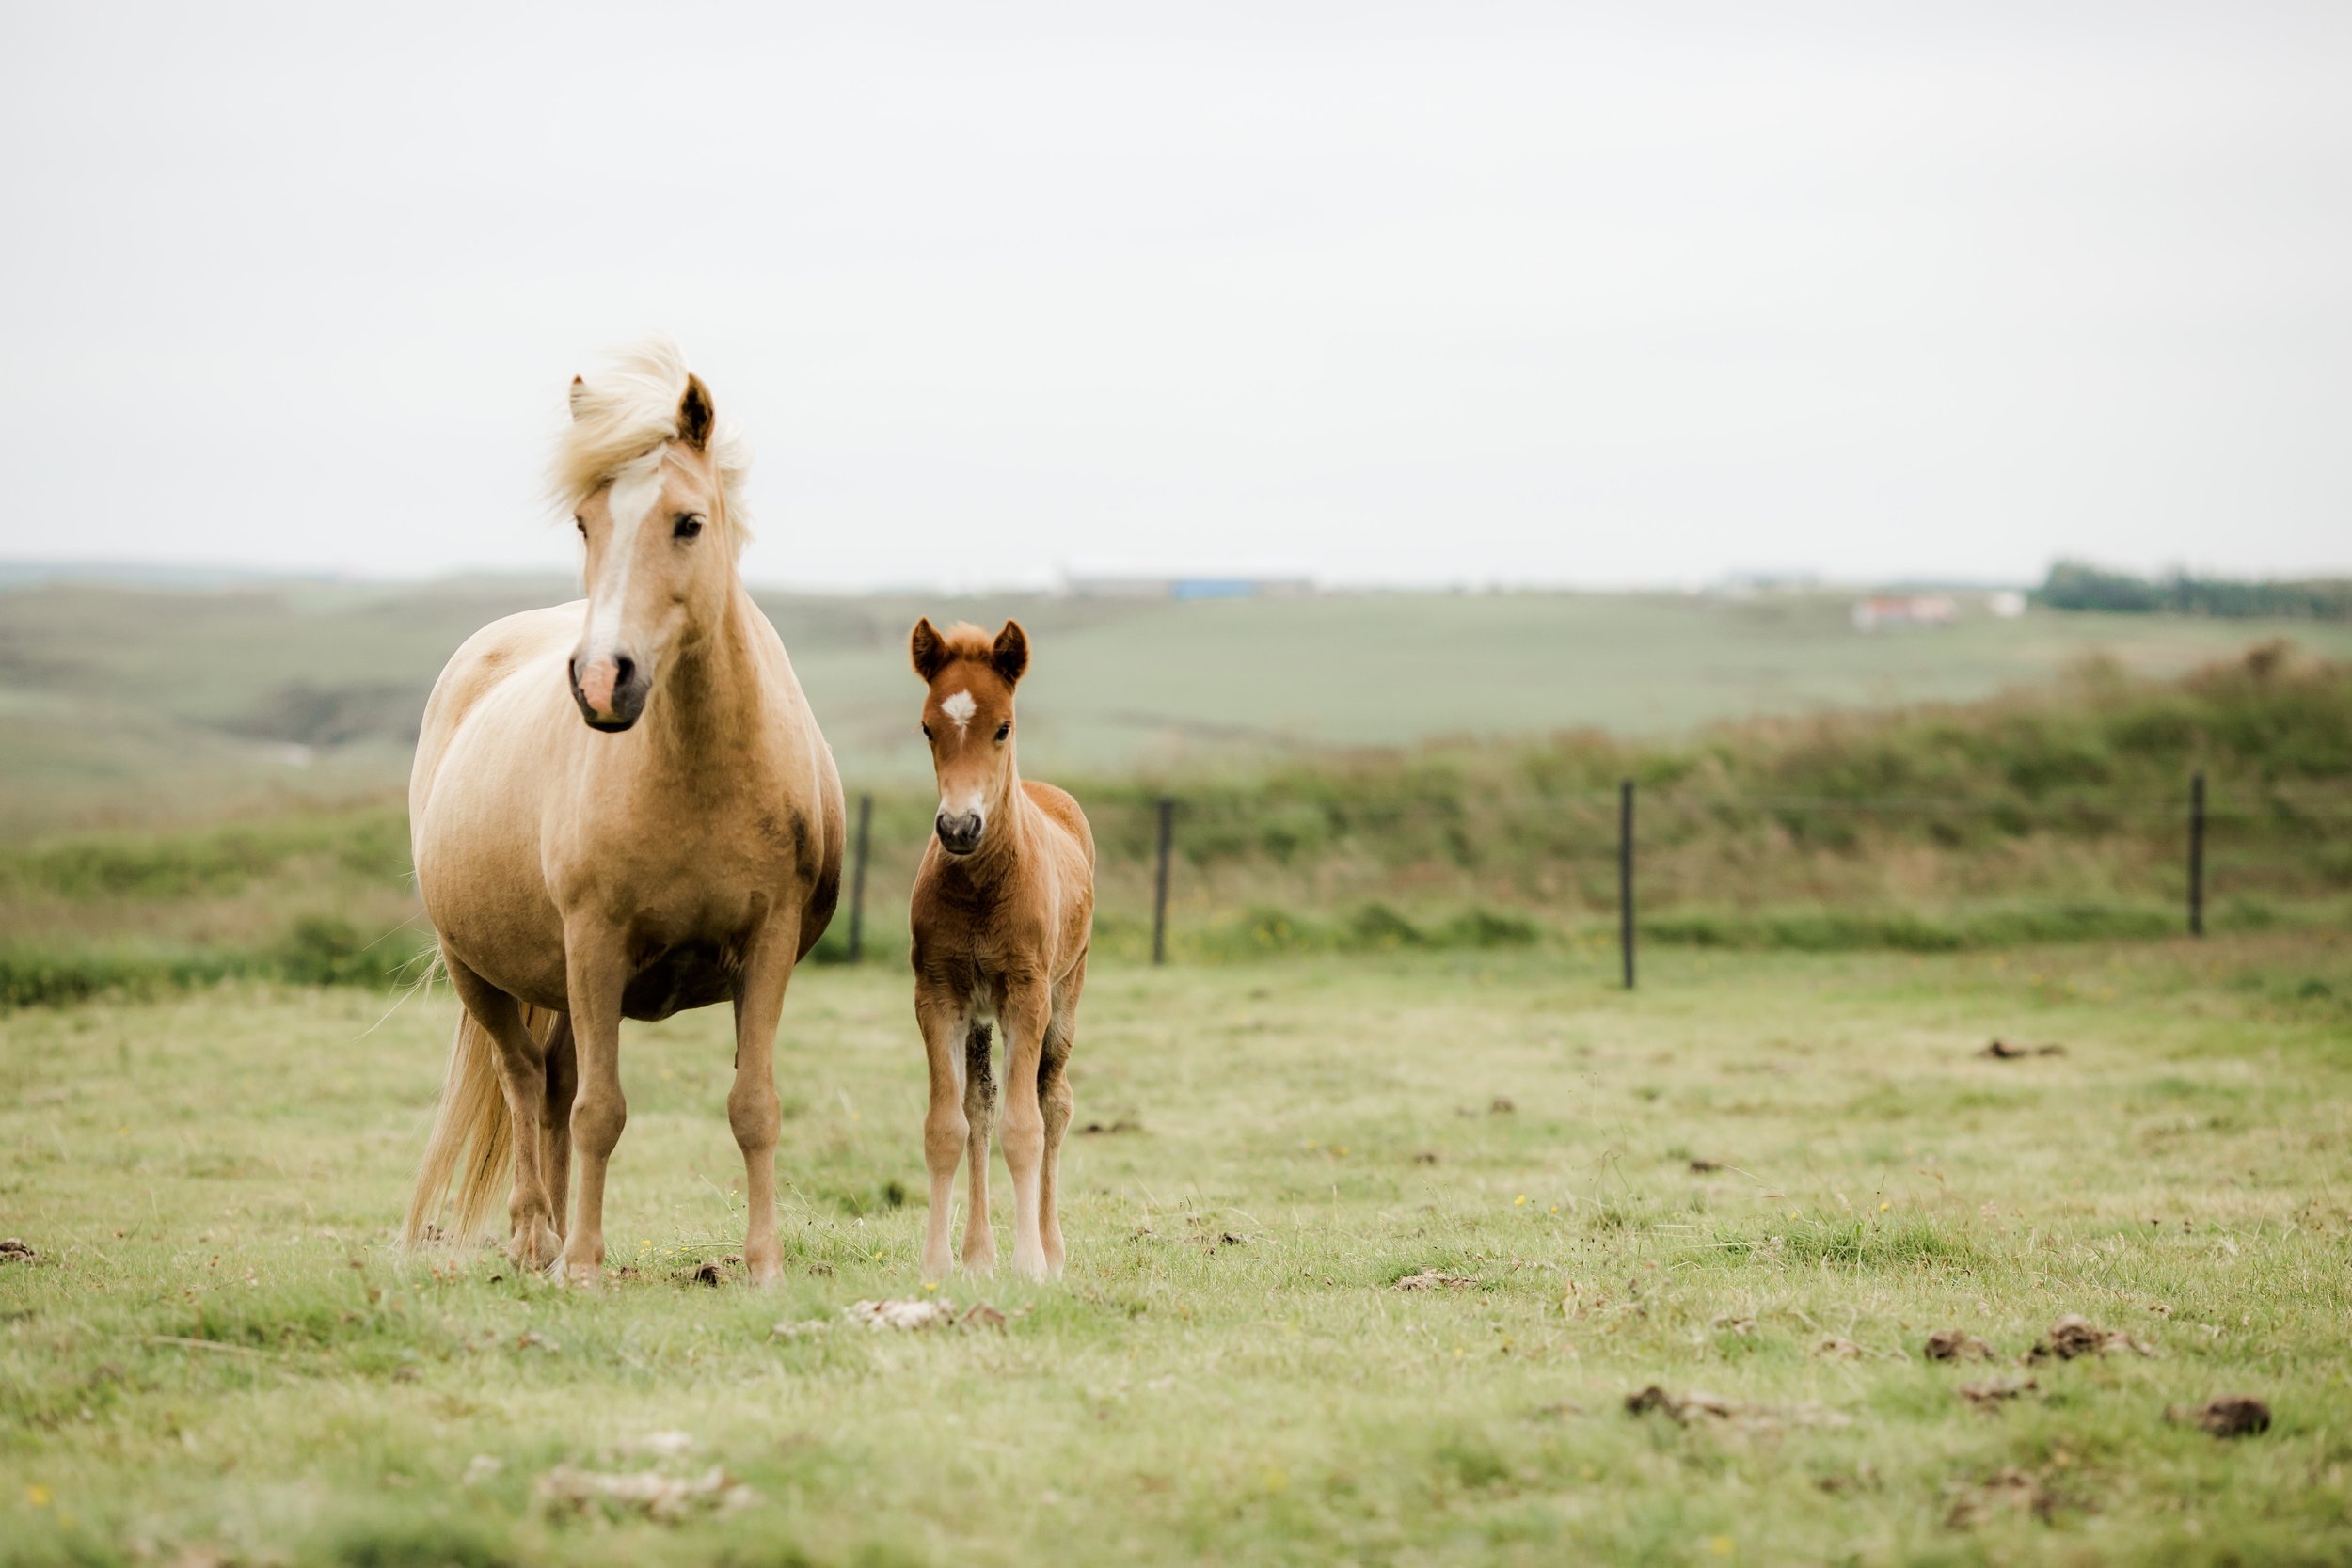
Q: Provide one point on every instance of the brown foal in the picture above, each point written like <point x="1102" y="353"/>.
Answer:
<point x="1003" y="907"/>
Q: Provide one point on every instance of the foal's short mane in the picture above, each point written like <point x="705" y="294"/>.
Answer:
<point x="626" y="409"/>
<point x="964" y="641"/>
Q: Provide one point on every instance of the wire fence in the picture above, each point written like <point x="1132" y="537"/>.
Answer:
<point x="1638" y="857"/>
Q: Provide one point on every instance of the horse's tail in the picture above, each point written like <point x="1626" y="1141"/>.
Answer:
<point x="474" y="1136"/>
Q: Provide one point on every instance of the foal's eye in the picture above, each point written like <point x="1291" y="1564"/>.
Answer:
<point x="685" y="526"/>
<point x="1004" y="729"/>
<point x="926" y="732"/>
<point x="581" y="524"/>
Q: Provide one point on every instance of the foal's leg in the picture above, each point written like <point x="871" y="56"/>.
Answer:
<point x="944" y="1127"/>
<point x="595" y="970"/>
<point x="1023" y="1016"/>
<point x="522" y="1067"/>
<point x="753" y="1110"/>
<point x="1057" y="1103"/>
<point x="979" y="1109"/>
<point x="555" y="1126"/>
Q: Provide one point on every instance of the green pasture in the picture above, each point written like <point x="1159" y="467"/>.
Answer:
<point x="1765" y="1179"/>
<point x="128" y="706"/>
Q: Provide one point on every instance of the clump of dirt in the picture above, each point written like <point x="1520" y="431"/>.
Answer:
<point x="1693" y="1405"/>
<point x="2006" y="1491"/>
<point x="1426" y="1156"/>
<point x="1700" y="1167"/>
<point x="2072" y="1336"/>
<point x="666" y="1499"/>
<point x="1434" y="1279"/>
<point x="1997" y="1390"/>
<point x="1500" y="1106"/>
<point x="2224" y="1415"/>
<point x="1105" y="1128"/>
<point x="706" y="1275"/>
<point x="1681" y="1407"/>
<point x="2004" y="1052"/>
<point x="1836" y="1346"/>
<point x="1954" y="1344"/>
<point x="13" y="1250"/>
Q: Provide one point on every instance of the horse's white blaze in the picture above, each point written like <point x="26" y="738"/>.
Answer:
<point x="636" y="490"/>
<point x="959" y="707"/>
<point x="966" y="804"/>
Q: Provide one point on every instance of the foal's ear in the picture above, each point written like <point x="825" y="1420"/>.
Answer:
<point x="695" y="418"/>
<point x="930" y="654"/>
<point x="580" y="395"/>
<point x="1010" y="655"/>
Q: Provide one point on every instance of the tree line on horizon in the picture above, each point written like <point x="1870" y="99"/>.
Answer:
<point x="2078" y="585"/>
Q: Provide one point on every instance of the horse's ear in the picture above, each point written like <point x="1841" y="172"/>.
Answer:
<point x="580" y="395"/>
<point x="929" y="653"/>
<point x="1010" y="655"/>
<point x="695" y="418"/>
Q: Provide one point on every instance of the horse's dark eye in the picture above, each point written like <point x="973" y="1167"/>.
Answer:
<point x="581" y="524"/>
<point x="926" y="732"/>
<point x="1004" y="729"/>
<point x="685" y="526"/>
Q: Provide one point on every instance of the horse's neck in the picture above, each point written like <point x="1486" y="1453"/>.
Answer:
<point x="711" y="700"/>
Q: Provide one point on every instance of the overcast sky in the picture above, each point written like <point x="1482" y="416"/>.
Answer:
<point x="1442" y="294"/>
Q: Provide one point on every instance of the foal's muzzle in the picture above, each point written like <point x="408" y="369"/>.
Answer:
<point x="611" y="690"/>
<point x="959" y="834"/>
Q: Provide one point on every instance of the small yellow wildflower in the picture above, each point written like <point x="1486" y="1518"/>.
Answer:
<point x="37" y="1495"/>
<point x="1719" y="1545"/>
<point x="1517" y="1201"/>
<point x="1885" y="1206"/>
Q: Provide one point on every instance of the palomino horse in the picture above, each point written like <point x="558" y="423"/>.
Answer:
<point x="1003" y="907"/>
<point x="620" y="808"/>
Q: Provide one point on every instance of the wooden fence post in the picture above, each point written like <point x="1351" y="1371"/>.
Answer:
<point x="1625" y="876"/>
<point x="1159" y="891"/>
<point x="2197" y="855"/>
<point x="857" y="880"/>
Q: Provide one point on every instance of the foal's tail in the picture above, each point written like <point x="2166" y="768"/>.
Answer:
<point x="474" y="1136"/>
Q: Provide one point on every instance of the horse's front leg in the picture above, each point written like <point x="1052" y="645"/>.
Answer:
<point x="596" y="971"/>
<point x="1024" y="1015"/>
<point x="753" y="1110"/>
<point x="946" y="1128"/>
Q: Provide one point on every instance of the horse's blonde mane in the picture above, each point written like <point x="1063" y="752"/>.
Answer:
<point x="624" y="410"/>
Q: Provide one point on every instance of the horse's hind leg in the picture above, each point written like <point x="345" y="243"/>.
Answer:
<point x="555" y="1129"/>
<point x="1056" y="1104"/>
<point x="979" y="1109"/>
<point x="522" y="1074"/>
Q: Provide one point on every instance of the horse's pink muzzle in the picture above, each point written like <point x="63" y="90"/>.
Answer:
<point x="610" y="689"/>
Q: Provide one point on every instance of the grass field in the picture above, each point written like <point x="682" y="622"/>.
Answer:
<point x="218" y="1356"/>
<point x="134" y="706"/>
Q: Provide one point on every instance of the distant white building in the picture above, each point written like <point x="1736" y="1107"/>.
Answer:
<point x="2006" y="604"/>
<point x="1904" y="609"/>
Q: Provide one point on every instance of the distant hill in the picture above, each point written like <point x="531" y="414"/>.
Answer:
<point x="128" y="703"/>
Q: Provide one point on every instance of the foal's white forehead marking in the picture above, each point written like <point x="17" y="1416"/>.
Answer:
<point x="636" y="490"/>
<point x="959" y="707"/>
